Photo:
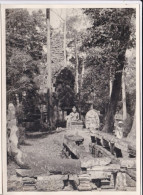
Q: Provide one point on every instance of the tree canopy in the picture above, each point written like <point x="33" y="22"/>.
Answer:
<point x="100" y="43"/>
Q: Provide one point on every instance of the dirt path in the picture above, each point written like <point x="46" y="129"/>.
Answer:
<point x="44" y="154"/>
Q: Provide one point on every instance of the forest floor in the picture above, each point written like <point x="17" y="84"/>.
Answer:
<point x="45" y="153"/>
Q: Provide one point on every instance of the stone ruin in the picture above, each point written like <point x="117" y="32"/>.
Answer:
<point x="12" y="139"/>
<point x="92" y="121"/>
<point x="109" y="164"/>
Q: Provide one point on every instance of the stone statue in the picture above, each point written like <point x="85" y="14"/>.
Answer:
<point x="92" y="119"/>
<point x="12" y="139"/>
<point x="119" y="130"/>
<point x="72" y="117"/>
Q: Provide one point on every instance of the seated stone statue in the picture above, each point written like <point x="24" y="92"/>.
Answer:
<point x="72" y="117"/>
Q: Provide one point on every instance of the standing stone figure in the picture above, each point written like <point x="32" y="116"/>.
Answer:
<point x="92" y="119"/>
<point x="12" y="140"/>
<point x="119" y="130"/>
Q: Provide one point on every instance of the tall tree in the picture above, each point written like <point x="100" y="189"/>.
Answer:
<point x="65" y="34"/>
<point x="124" y="96"/>
<point x="25" y="38"/>
<point x="110" y="32"/>
<point x="24" y="45"/>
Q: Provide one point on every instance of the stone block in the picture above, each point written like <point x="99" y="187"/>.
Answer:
<point x="69" y="187"/>
<point x="99" y="174"/>
<point x="130" y="182"/>
<point x="14" y="183"/>
<point x="30" y="188"/>
<point x="106" y="168"/>
<point x="121" y="184"/>
<point x="129" y="163"/>
<point x="23" y="172"/>
<point x="74" y="178"/>
<point x="28" y="180"/>
<point x="85" y="162"/>
<point x="132" y="173"/>
<point x="84" y="188"/>
<point x="53" y="177"/>
<point x="52" y="183"/>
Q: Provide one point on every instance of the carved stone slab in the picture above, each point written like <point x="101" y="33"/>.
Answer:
<point x="92" y="120"/>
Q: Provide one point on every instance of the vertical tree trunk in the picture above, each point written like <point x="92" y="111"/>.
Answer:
<point x="76" y="57"/>
<point x="116" y="88"/>
<point x="132" y="135"/>
<point x="57" y="112"/>
<point x="49" y="83"/>
<point x="124" y="96"/>
<point x="65" y="31"/>
<point x="110" y="84"/>
<point x="49" y="52"/>
<point x="62" y="115"/>
<point x="82" y="73"/>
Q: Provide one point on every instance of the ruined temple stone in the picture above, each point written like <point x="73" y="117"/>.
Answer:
<point x="129" y="163"/>
<point x="51" y="183"/>
<point x="65" y="166"/>
<point x="85" y="187"/>
<point x="56" y="177"/>
<point x="121" y="184"/>
<point x="11" y="112"/>
<point x="93" y="186"/>
<point x="132" y="173"/>
<point x="99" y="174"/>
<point x="105" y="182"/>
<point x="28" y="180"/>
<point x="12" y="142"/>
<point x="68" y="187"/>
<point x="130" y="181"/>
<point x="74" y="138"/>
<point x="85" y="183"/>
<point x="86" y="162"/>
<point x="105" y="168"/>
<point x="31" y="188"/>
<point x="24" y="173"/>
<point x="92" y="120"/>
<point x="14" y="183"/>
<point x="74" y="178"/>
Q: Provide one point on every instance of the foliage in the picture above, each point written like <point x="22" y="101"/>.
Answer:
<point x="25" y="37"/>
<point x="106" y="44"/>
<point x="65" y="89"/>
<point x="99" y="37"/>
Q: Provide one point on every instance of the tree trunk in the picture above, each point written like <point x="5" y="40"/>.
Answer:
<point x="82" y="73"/>
<point x="49" y="70"/>
<point x="58" y="112"/>
<point x="116" y="88"/>
<point x="132" y="135"/>
<point x="62" y="115"/>
<point x="124" y="96"/>
<point x="110" y="84"/>
<point x="76" y="57"/>
<point x="65" y="60"/>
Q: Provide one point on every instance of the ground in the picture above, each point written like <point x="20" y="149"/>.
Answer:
<point x="44" y="154"/>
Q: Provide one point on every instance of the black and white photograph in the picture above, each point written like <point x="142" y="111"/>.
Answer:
<point x="71" y="99"/>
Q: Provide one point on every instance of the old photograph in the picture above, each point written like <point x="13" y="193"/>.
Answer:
<point x="71" y="96"/>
